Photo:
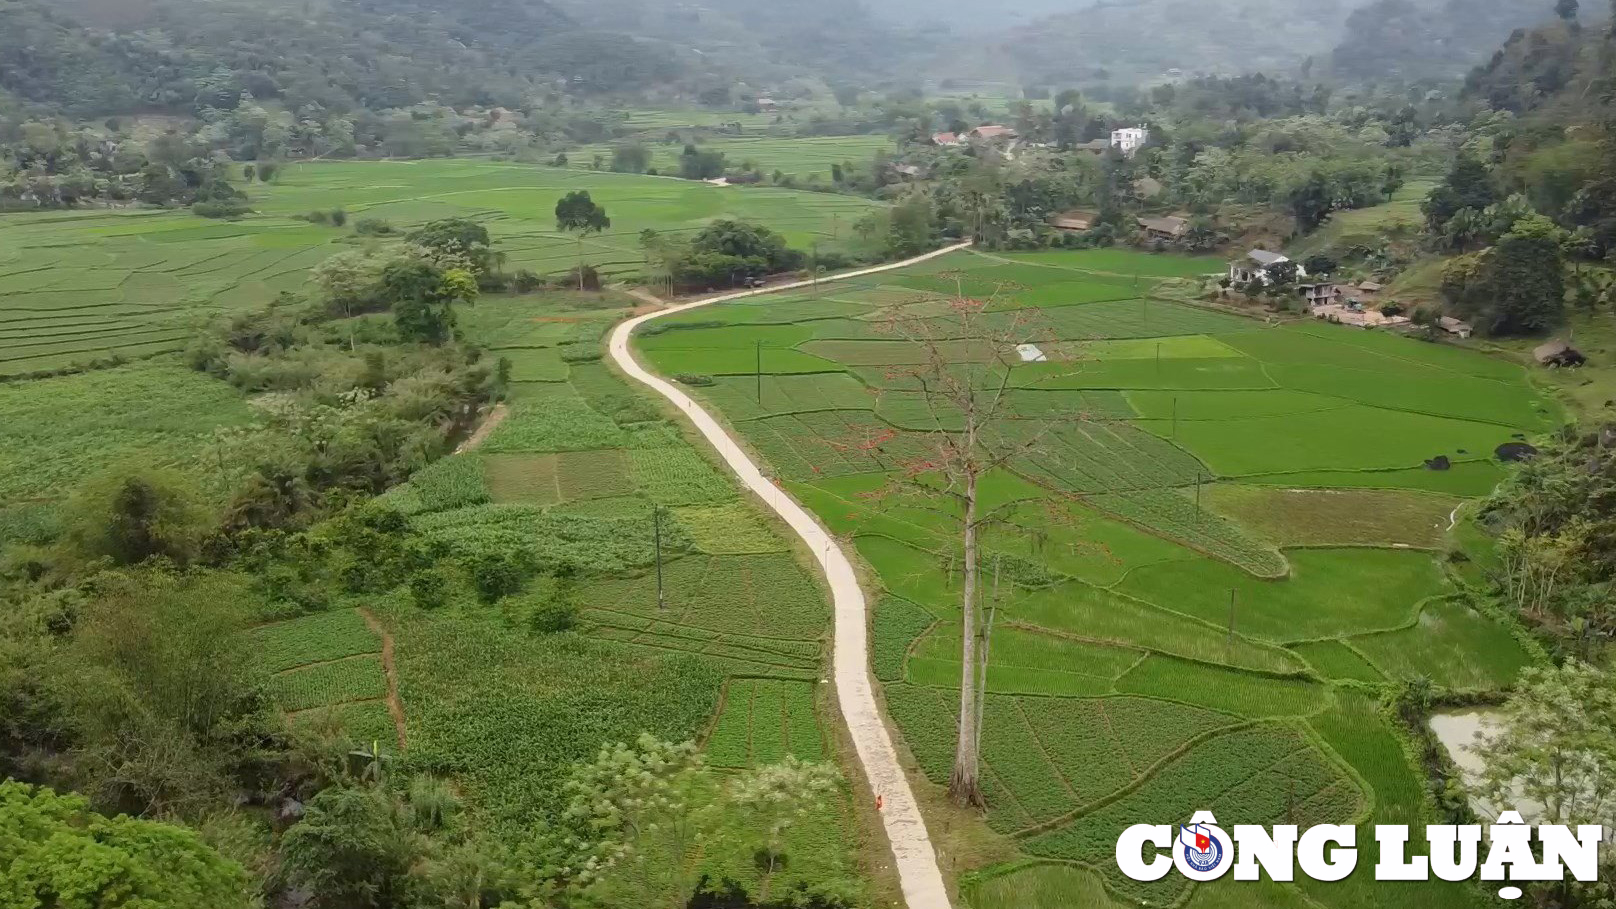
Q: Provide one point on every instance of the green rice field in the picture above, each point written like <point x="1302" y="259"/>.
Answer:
<point x="1237" y="529"/>
<point x="96" y="286"/>
<point x="805" y="158"/>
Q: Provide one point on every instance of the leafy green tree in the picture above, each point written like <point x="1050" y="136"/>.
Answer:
<point x="701" y="164"/>
<point x="57" y="852"/>
<point x="631" y="158"/>
<point x="458" y="238"/>
<point x="911" y="225"/>
<point x="1556" y="747"/>
<point x="351" y="850"/>
<point x="162" y="698"/>
<point x="577" y="213"/>
<point x="423" y="298"/>
<point x="1468" y="185"/>
<point x="130" y="515"/>
<point x="1518" y="286"/>
<point x="768" y="801"/>
<point x="745" y="240"/>
<point x="1312" y="202"/>
<point x="642" y="812"/>
<point x="350" y="282"/>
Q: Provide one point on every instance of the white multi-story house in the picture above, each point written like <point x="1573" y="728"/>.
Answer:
<point x="1130" y="139"/>
<point x="1253" y="268"/>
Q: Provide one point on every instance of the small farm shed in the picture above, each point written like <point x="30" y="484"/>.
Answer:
<point x="1164" y="228"/>
<point x="1455" y="327"/>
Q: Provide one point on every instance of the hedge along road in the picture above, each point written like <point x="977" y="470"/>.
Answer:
<point x="912" y="850"/>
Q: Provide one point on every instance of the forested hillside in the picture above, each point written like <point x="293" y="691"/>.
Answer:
<point x="1427" y="39"/>
<point x="1124" y="41"/>
<point x="93" y="58"/>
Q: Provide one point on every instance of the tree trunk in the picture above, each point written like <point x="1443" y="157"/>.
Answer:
<point x="964" y="786"/>
<point x="987" y="650"/>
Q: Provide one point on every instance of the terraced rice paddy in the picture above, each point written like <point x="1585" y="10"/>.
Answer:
<point x="1234" y="521"/>
<point x="87" y="286"/>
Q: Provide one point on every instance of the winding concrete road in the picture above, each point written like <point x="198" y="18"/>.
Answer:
<point x="912" y="850"/>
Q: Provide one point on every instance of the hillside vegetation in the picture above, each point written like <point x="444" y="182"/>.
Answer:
<point x="1127" y="41"/>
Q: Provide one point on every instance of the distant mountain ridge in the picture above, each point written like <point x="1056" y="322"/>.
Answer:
<point x="98" y="57"/>
<point x="1129" y="41"/>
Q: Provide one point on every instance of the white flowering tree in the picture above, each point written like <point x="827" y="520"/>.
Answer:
<point x="1555" y="754"/>
<point x="648" y="818"/>
<point x="768" y="801"/>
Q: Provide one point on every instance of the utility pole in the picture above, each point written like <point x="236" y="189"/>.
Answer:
<point x="1175" y="420"/>
<point x="656" y="535"/>
<point x="1197" y="496"/>
<point x="760" y="372"/>
<point x="1231" y="615"/>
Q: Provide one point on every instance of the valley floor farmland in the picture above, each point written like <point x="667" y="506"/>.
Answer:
<point x="83" y="286"/>
<point x="1189" y="637"/>
<point x="586" y="476"/>
<point x="805" y="158"/>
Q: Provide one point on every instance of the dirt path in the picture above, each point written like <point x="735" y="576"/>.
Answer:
<point x="645" y="296"/>
<point x="485" y="429"/>
<point x="912" y="850"/>
<point x="395" y="707"/>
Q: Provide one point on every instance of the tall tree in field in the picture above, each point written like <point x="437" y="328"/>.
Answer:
<point x="1556" y="748"/>
<point x="578" y="213"/>
<point x="965" y="377"/>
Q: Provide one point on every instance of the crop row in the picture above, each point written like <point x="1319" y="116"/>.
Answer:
<point x="313" y="639"/>
<point x="738" y="398"/>
<point x="833" y="443"/>
<point x="1243" y="693"/>
<point x="589" y="544"/>
<point x="1085" y="456"/>
<point x="1024" y="661"/>
<point x="678" y="476"/>
<point x="512" y="712"/>
<point x="356" y="678"/>
<point x="732" y="528"/>
<point x="364" y="722"/>
<point x="1174" y="514"/>
<point x="446" y="484"/>
<point x="561" y="423"/>
<point x="1050" y="756"/>
<point x="895" y="625"/>
<point x="737" y="654"/>
<point x="763" y="721"/>
<point x="526" y="479"/>
<point x="767" y="595"/>
<point x="1263" y="775"/>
